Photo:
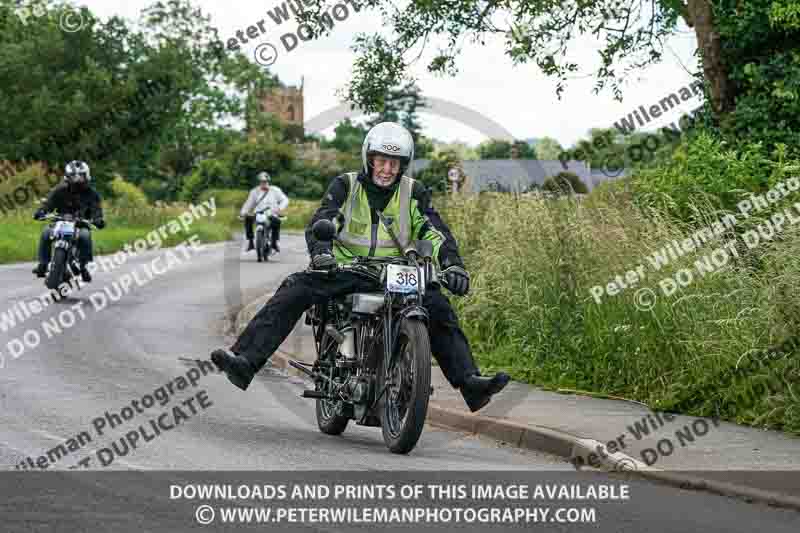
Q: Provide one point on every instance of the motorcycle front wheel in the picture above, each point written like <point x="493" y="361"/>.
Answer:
<point x="260" y="238"/>
<point x="404" y="404"/>
<point x="58" y="267"/>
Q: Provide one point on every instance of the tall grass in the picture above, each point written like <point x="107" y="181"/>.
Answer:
<point x="20" y="236"/>
<point x="722" y="346"/>
<point x="19" y="239"/>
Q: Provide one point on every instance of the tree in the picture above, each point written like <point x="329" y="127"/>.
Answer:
<point x="148" y="102"/>
<point x="424" y="148"/>
<point x="435" y="176"/>
<point x="547" y="149"/>
<point x="729" y="36"/>
<point x="348" y="137"/>
<point x="494" y="149"/>
<point x="522" y="150"/>
<point x="464" y="151"/>
<point x="499" y="149"/>
<point x="605" y="148"/>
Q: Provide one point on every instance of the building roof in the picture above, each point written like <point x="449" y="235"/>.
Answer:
<point x="514" y="174"/>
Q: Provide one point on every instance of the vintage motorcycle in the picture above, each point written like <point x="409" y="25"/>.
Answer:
<point x="64" y="265"/>
<point x="373" y="350"/>
<point x="263" y="228"/>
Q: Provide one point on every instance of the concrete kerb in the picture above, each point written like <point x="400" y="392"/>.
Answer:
<point x="549" y="440"/>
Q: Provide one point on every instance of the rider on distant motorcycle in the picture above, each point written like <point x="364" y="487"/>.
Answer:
<point x="263" y="197"/>
<point x="353" y="199"/>
<point x="73" y="197"/>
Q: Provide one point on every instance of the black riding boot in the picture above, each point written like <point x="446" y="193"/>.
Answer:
<point x="477" y="390"/>
<point x="238" y="369"/>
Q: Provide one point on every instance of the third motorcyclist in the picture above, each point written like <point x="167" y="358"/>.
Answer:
<point x="265" y="196"/>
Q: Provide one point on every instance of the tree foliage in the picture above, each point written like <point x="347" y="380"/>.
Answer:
<point x="540" y="31"/>
<point x="547" y="149"/>
<point x="747" y="51"/>
<point x="500" y="149"/>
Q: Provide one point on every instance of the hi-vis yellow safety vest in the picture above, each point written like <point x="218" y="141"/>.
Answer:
<point x="363" y="238"/>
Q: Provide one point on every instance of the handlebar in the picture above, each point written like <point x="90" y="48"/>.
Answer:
<point x="363" y="268"/>
<point x="270" y="212"/>
<point x="60" y="218"/>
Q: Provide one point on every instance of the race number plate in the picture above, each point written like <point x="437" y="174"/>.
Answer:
<point x="261" y="218"/>
<point x="402" y="279"/>
<point x="65" y="228"/>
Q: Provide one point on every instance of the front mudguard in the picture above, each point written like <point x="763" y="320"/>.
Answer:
<point x="414" y="312"/>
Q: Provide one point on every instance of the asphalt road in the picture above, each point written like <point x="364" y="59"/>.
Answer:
<point x="60" y="398"/>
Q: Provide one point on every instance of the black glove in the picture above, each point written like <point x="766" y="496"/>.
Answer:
<point x="38" y="215"/>
<point x="457" y="280"/>
<point x="100" y="223"/>
<point x="323" y="261"/>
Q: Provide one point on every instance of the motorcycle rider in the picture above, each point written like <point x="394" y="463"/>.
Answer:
<point x="260" y="198"/>
<point x="353" y="199"/>
<point x="75" y="196"/>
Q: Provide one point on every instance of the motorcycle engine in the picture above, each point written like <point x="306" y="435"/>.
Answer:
<point x="362" y="394"/>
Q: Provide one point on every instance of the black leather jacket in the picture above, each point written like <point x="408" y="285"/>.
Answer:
<point x="64" y="199"/>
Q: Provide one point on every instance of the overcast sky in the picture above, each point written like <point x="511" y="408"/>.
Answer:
<point x="520" y="98"/>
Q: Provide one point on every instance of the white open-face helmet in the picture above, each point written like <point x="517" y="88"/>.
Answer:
<point x="77" y="171"/>
<point x="264" y="177"/>
<point x="390" y="139"/>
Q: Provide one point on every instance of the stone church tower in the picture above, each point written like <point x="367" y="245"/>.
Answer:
<point x="286" y="104"/>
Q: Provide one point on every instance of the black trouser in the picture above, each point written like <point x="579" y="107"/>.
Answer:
<point x="84" y="246"/>
<point x="275" y="224"/>
<point x="276" y="320"/>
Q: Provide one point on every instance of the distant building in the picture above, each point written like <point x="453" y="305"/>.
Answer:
<point x="515" y="175"/>
<point x="286" y="103"/>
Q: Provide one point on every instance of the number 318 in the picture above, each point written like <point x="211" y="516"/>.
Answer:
<point x="406" y="278"/>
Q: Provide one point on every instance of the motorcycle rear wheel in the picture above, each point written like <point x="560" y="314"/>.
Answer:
<point x="328" y="421"/>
